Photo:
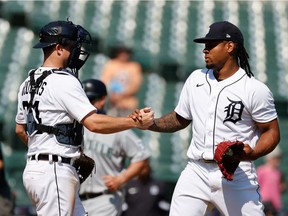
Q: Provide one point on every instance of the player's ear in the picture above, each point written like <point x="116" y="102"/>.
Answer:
<point x="231" y="47"/>
<point x="59" y="49"/>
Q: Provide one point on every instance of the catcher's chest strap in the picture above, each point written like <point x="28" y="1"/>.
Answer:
<point x="67" y="134"/>
<point x="35" y="83"/>
<point x="56" y="131"/>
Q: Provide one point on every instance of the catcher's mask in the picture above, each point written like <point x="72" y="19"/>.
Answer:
<point x="66" y="33"/>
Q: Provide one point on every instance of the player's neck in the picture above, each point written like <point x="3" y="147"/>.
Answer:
<point x="225" y="72"/>
<point x="52" y="64"/>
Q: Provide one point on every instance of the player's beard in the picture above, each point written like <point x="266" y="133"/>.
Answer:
<point x="209" y="66"/>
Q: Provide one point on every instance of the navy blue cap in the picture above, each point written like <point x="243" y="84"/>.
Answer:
<point x="222" y="31"/>
<point x="94" y="88"/>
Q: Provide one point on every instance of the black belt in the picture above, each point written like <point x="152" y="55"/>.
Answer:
<point x="54" y="158"/>
<point x="209" y="161"/>
<point x="87" y="196"/>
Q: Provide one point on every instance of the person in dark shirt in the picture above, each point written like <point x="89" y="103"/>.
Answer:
<point x="6" y="198"/>
<point x="146" y="196"/>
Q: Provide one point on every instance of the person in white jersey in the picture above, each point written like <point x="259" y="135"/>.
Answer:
<point x="102" y="193"/>
<point x="223" y="102"/>
<point x="52" y="107"/>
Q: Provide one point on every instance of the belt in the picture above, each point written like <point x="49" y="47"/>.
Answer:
<point x="209" y="161"/>
<point x="54" y="158"/>
<point x="87" y="196"/>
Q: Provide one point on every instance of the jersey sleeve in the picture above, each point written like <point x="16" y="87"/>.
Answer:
<point x="133" y="146"/>
<point x="183" y="107"/>
<point x="72" y="97"/>
<point x="263" y="106"/>
<point x="20" y="116"/>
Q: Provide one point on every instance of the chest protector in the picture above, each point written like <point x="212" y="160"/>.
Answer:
<point x="70" y="134"/>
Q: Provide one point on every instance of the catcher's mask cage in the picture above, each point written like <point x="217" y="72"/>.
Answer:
<point x="66" y="33"/>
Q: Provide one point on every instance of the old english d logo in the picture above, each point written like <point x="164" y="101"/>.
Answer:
<point x="234" y="111"/>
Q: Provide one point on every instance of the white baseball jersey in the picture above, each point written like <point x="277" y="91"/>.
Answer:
<point x="110" y="152"/>
<point x="220" y="110"/>
<point x="60" y="99"/>
<point x="224" y="110"/>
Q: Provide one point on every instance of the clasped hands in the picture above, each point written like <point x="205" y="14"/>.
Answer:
<point x="143" y="118"/>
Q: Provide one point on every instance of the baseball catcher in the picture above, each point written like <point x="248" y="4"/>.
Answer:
<point x="226" y="157"/>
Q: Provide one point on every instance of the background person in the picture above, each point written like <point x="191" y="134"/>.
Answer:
<point x="271" y="180"/>
<point x="146" y="196"/>
<point x="103" y="192"/>
<point x="123" y="78"/>
<point x="6" y="195"/>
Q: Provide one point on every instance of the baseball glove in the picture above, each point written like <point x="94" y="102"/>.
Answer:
<point x="225" y="157"/>
<point x="84" y="166"/>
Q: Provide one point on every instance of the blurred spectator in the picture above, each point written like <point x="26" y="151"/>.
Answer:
<point x="269" y="209"/>
<point x="6" y="198"/>
<point x="271" y="181"/>
<point x="123" y="78"/>
<point x="146" y="196"/>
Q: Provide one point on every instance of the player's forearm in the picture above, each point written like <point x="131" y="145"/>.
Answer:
<point x="107" y="124"/>
<point x="20" y="131"/>
<point x="266" y="144"/>
<point x="169" y="123"/>
<point x="132" y="171"/>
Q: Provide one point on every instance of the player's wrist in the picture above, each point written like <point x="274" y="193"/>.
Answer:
<point x="133" y="123"/>
<point x="122" y="179"/>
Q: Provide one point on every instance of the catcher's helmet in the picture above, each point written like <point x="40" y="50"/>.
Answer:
<point x="94" y="89"/>
<point x="57" y="31"/>
<point x="65" y="32"/>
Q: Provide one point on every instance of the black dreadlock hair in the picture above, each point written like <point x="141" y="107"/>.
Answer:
<point x="243" y="58"/>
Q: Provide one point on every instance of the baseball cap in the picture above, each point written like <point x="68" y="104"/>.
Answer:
<point x="222" y="30"/>
<point x="94" y="88"/>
